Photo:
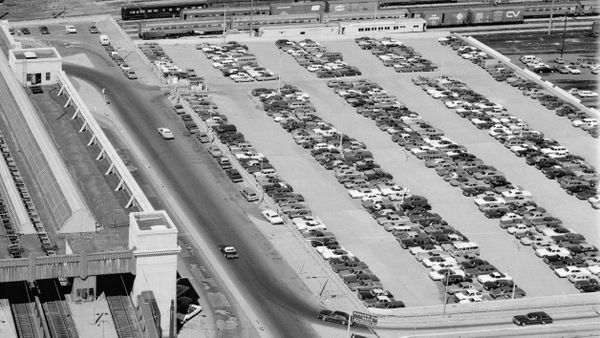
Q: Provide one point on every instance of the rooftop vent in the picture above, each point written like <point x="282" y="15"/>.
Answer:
<point x="30" y="55"/>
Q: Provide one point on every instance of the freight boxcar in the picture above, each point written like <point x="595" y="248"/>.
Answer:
<point x="494" y="15"/>
<point x="441" y="16"/>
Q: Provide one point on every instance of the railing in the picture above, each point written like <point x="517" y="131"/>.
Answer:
<point x="124" y="316"/>
<point x="108" y="150"/>
<point x="62" y="266"/>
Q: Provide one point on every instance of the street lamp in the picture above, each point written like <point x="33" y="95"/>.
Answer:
<point x="446" y="290"/>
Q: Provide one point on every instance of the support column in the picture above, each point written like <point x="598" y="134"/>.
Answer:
<point x="153" y="239"/>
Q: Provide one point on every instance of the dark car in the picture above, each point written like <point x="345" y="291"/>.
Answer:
<point x="229" y="251"/>
<point x="94" y="30"/>
<point x="334" y="317"/>
<point x="25" y="31"/>
<point x="498" y="284"/>
<point x="532" y="318"/>
<point x="44" y="30"/>
<point x="234" y="175"/>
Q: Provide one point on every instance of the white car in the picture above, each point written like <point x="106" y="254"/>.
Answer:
<point x="552" y="250"/>
<point x="440" y="274"/>
<point x="474" y="299"/>
<point x="272" y="217"/>
<point x="518" y="228"/>
<point x="511" y="218"/>
<point x="433" y="253"/>
<point x="569" y="270"/>
<point x="429" y="262"/>
<point x="466" y="294"/>
<point x="595" y="201"/>
<point x="166" y="133"/>
<point x="445" y="265"/>
<point x="124" y="67"/>
<point x="573" y="69"/>
<point x="70" y="29"/>
<point x="580" y="276"/>
<point x="417" y="249"/>
<point x="360" y="193"/>
<point x="492" y="277"/>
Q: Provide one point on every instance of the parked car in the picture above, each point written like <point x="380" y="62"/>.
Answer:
<point x="249" y="195"/>
<point x="338" y="317"/>
<point x="272" y="217"/>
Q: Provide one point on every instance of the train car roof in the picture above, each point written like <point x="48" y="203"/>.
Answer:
<point x="169" y="3"/>
<point x="222" y="9"/>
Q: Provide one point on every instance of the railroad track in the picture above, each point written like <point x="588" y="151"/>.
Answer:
<point x="24" y="320"/>
<point x="59" y="321"/>
<point x="124" y="317"/>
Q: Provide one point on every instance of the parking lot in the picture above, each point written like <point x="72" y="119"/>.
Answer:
<point x="354" y="227"/>
<point x="335" y="209"/>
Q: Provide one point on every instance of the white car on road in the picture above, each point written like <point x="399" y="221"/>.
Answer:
<point x="70" y="29"/>
<point x="166" y="133"/>
<point x="272" y="217"/>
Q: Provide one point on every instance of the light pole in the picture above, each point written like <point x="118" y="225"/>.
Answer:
<point x="279" y="75"/>
<point x="518" y="263"/>
<point x="446" y="290"/>
<point x="562" y="45"/>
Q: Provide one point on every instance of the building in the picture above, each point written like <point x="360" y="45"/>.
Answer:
<point x="35" y="66"/>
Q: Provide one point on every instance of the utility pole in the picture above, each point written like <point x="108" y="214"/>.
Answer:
<point x="251" y="10"/>
<point x="562" y="45"/>
<point x="551" y="16"/>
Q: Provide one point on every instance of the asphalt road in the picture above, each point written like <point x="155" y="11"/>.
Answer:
<point x="219" y="220"/>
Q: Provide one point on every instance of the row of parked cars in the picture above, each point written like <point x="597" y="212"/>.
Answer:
<point x="236" y="62"/>
<point x="438" y="152"/>
<point x="157" y="56"/>
<point x="495" y="196"/>
<point x="572" y="172"/>
<point x="316" y="59"/>
<point x="444" y="251"/>
<point x="393" y="53"/>
<point x="290" y="204"/>
<point x="578" y="118"/>
<point x="500" y="72"/>
<point x="318" y="136"/>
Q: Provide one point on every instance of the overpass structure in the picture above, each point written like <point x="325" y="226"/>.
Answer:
<point x="42" y="200"/>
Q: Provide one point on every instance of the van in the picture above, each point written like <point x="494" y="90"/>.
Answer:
<point x="528" y="58"/>
<point x="104" y="41"/>
<point x="457" y="249"/>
